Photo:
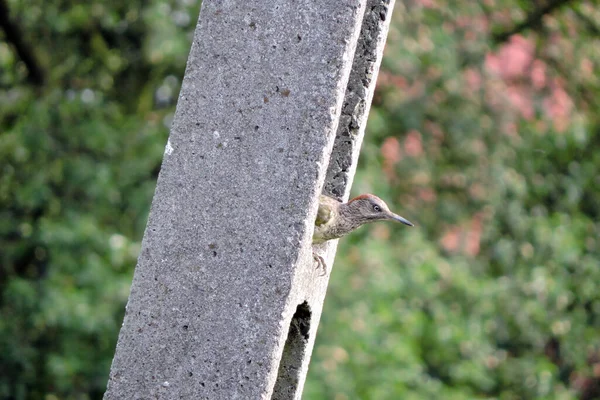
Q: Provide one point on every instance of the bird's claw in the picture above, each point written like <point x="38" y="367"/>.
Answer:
<point x="320" y="264"/>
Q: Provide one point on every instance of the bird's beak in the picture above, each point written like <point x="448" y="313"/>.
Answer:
<point x="398" y="218"/>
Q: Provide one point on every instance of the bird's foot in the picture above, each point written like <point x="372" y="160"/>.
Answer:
<point x="320" y="264"/>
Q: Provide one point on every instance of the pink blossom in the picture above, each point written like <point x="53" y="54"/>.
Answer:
<point x="413" y="144"/>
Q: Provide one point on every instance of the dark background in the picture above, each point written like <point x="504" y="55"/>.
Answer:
<point x="484" y="131"/>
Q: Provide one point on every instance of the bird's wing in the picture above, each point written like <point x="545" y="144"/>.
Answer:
<point x="325" y="212"/>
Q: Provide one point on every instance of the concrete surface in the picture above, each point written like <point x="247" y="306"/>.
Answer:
<point x="225" y="277"/>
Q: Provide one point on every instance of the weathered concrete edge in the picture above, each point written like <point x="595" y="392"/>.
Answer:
<point x="349" y="136"/>
<point x="310" y="290"/>
<point x="359" y="95"/>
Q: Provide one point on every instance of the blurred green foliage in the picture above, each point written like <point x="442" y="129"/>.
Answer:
<point x="484" y="130"/>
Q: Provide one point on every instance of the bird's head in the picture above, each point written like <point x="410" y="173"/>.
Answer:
<point x="370" y="208"/>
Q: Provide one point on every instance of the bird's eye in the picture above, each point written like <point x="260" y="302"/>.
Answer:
<point x="376" y="208"/>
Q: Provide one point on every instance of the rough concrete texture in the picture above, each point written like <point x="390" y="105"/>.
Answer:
<point x="226" y="260"/>
<point x="344" y="155"/>
<point x="357" y="102"/>
<point x="294" y="353"/>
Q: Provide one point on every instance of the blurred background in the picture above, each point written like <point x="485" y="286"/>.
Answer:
<point x="484" y="131"/>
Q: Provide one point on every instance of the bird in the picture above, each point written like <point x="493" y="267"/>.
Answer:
<point x="336" y="219"/>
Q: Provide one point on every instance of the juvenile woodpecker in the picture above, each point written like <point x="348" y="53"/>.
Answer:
<point x="336" y="219"/>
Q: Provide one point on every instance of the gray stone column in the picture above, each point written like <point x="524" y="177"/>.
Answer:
<point x="225" y="299"/>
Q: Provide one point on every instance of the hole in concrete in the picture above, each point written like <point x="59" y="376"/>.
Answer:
<point x="293" y="355"/>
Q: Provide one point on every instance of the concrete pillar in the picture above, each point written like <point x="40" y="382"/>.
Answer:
<point x="225" y="299"/>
